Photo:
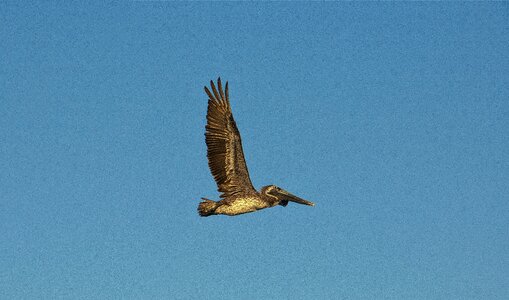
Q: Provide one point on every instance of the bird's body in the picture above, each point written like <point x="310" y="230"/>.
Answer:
<point x="242" y="204"/>
<point x="228" y="166"/>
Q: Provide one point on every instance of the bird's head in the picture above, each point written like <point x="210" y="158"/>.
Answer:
<point x="283" y="196"/>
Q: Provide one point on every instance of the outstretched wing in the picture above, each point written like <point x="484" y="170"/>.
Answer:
<point x="224" y="146"/>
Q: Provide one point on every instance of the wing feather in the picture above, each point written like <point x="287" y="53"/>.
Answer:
<point x="224" y="145"/>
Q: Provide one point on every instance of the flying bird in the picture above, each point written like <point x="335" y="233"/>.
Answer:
<point x="228" y="166"/>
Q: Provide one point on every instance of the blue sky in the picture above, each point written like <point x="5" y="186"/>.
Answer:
<point x="392" y="117"/>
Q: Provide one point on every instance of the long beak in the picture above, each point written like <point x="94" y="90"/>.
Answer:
<point x="290" y="197"/>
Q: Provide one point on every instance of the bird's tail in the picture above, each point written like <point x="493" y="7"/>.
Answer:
<point x="207" y="207"/>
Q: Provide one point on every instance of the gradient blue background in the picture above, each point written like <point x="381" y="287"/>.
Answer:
<point x="393" y="118"/>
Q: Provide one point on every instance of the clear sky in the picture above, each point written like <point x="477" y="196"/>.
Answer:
<point x="392" y="117"/>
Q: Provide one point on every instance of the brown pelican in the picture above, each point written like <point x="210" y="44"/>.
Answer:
<point x="227" y="164"/>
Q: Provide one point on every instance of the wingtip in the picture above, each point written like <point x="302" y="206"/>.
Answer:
<point x="214" y="94"/>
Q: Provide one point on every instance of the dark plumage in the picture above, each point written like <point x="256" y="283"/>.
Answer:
<point x="228" y="166"/>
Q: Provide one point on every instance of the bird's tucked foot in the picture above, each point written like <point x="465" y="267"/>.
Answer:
<point x="207" y="207"/>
